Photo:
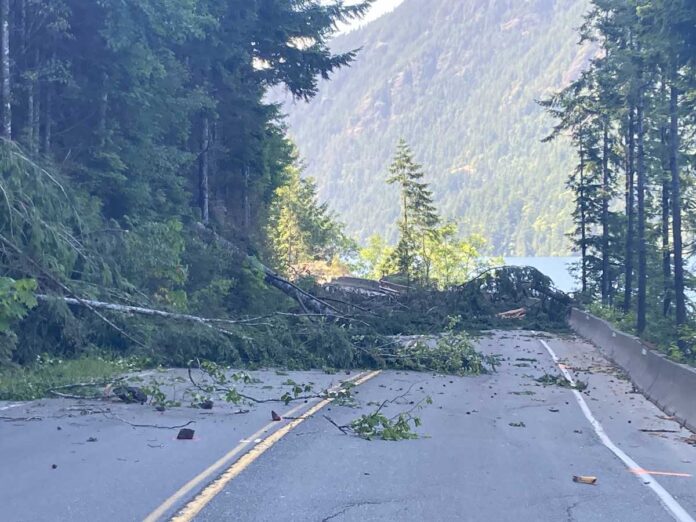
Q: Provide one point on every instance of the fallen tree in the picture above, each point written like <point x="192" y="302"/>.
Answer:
<point x="127" y="309"/>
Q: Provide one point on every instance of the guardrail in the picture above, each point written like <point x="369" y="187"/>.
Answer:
<point x="670" y="385"/>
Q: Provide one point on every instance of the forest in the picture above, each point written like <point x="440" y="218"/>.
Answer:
<point x="630" y="116"/>
<point x="140" y="163"/>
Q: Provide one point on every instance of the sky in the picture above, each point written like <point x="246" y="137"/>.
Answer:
<point x="379" y="8"/>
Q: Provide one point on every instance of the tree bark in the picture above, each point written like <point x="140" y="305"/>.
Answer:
<point x="203" y="186"/>
<point x="666" y="254"/>
<point x="48" y="107"/>
<point x="127" y="309"/>
<point x="665" y="208"/>
<point x="606" y="276"/>
<point x="5" y="58"/>
<point x="583" y="220"/>
<point x="247" y="201"/>
<point x="642" y="252"/>
<point x="103" y="110"/>
<point x="26" y="79"/>
<point x="630" y="207"/>
<point x="679" y="298"/>
<point x="36" y="104"/>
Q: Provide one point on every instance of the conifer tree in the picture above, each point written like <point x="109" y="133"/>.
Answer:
<point x="419" y="218"/>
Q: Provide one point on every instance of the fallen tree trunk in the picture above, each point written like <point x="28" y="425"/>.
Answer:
<point x="127" y="309"/>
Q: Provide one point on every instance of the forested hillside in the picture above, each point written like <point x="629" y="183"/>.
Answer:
<point x="459" y="81"/>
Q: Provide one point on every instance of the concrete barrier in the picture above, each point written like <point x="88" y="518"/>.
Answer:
<point x="671" y="386"/>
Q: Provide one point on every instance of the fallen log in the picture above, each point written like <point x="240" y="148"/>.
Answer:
<point x="127" y="309"/>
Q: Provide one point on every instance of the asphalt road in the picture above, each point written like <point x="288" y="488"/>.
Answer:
<point x="495" y="447"/>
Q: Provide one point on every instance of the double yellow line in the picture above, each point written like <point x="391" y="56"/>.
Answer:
<point x="204" y="497"/>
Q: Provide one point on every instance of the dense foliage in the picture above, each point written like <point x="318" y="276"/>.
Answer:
<point x="457" y="79"/>
<point x="126" y="125"/>
<point x="304" y="235"/>
<point x="631" y="119"/>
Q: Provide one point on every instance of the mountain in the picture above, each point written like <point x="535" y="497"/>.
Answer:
<point x="459" y="80"/>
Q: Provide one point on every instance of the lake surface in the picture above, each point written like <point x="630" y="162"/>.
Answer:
<point x="557" y="268"/>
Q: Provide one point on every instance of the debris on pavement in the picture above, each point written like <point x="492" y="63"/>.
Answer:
<point x="275" y="416"/>
<point x="559" y="380"/>
<point x="207" y="404"/>
<point x="517" y="313"/>
<point x="130" y="394"/>
<point x="185" y="434"/>
<point x="585" y="479"/>
<point x="518" y="424"/>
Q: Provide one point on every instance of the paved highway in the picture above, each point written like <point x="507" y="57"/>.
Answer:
<point x="492" y="447"/>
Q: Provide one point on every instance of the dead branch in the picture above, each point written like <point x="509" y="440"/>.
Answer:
<point x="249" y="398"/>
<point x="344" y="429"/>
<point x="157" y="426"/>
<point x="20" y="419"/>
<point x="361" y="308"/>
<point x="74" y="396"/>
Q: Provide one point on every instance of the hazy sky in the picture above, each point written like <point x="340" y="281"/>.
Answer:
<point x="378" y="9"/>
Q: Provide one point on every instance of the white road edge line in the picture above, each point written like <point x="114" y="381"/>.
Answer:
<point x="668" y="501"/>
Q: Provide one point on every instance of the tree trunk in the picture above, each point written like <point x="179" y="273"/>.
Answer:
<point x="247" y="202"/>
<point x="203" y="188"/>
<point x="666" y="254"/>
<point x="127" y="309"/>
<point x="27" y="131"/>
<point x="630" y="201"/>
<point x="5" y="58"/>
<point x="103" y="110"/>
<point x="665" y="202"/>
<point x="606" y="281"/>
<point x="583" y="221"/>
<point x="47" y="123"/>
<point x="679" y="297"/>
<point x="642" y="252"/>
<point x="30" y="116"/>
<point x="36" y="104"/>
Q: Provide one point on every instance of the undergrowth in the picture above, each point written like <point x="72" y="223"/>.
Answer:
<point x="36" y="380"/>
<point x="659" y="332"/>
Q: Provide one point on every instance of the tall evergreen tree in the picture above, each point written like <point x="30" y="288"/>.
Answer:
<point x="419" y="218"/>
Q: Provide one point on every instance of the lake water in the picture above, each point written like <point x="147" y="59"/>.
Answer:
<point x="557" y="268"/>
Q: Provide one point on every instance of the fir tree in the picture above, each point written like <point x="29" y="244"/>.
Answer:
<point x="419" y="218"/>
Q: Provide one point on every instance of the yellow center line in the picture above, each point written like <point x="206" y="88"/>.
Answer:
<point x="203" y="498"/>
